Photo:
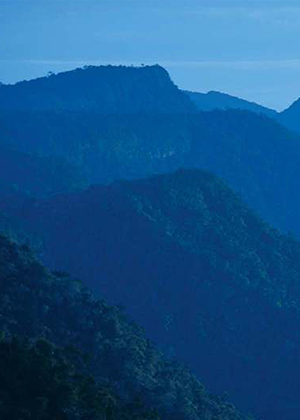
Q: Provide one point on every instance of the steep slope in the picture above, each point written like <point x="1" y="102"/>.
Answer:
<point x="217" y="100"/>
<point x="37" y="303"/>
<point x="207" y="278"/>
<point x="291" y="117"/>
<point x="104" y="89"/>
<point x="36" y="176"/>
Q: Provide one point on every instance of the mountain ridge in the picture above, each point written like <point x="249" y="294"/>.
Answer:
<point x="290" y="117"/>
<point x="145" y="125"/>
<point x="202" y="273"/>
<point x="101" y="89"/>
<point x="213" y="100"/>
<point x="252" y="152"/>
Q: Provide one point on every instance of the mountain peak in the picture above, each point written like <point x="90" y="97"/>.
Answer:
<point x="101" y="89"/>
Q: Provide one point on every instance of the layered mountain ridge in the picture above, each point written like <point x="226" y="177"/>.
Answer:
<point x="209" y="281"/>
<point x="137" y="123"/>
<point x="213" y="100"/>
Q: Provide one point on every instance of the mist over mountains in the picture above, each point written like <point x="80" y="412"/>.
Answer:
<point x="172" y="204"/>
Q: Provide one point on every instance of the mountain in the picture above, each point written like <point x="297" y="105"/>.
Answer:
<point x="209" y="281"/>
<point x="40" y="380"/>
<point x="291" y="117"/>
<point x="83" y="359"/>
<point x="212" y="100"/>
<point x="257" y="157"/>
<point x="117" y="122"/>
<point x="103" y="89"/>
<point x="23" y="174"/>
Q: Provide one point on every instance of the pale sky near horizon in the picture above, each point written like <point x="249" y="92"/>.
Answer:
<point x="247" y="48"/>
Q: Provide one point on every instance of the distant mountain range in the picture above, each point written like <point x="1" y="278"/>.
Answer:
<point x="291" y="117"/>
<point x="123" y="90"/>
<point x="210" y="101"/>
<point x="209" y="281"/>
<point x="216" y="100"/>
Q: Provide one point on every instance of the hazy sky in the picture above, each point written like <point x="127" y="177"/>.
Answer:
<point x="247" y="48"/>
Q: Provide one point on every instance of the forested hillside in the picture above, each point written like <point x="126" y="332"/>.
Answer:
<point x="23" y="174"/>
<point x="210" y="282"/>
<point x="255" y="155"/>
<point x="100" y="366"/>
<point x="116" y="122"/>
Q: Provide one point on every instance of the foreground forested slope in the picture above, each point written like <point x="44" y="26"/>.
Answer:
<point x="100" y="365"/>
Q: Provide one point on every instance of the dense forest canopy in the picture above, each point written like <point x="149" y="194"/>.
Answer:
<point x="100" y="364"/>
<point x="24" y="174"/>
<point x="208" y="279"/>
